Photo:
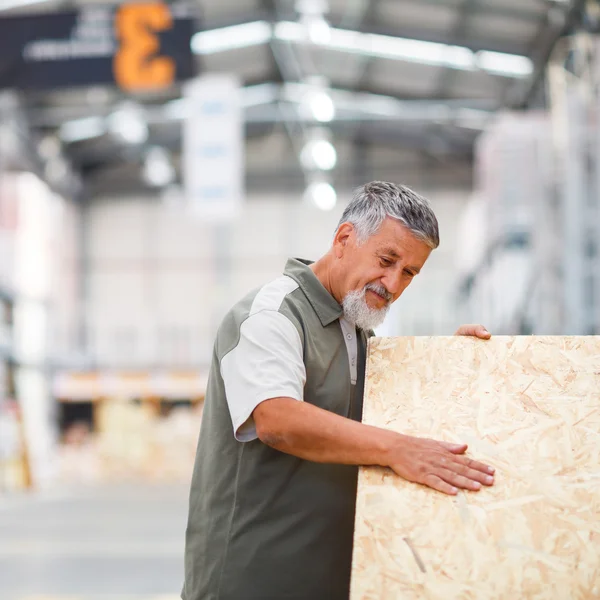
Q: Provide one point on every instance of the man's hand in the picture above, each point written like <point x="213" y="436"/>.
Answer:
<point x="438" y="465"/>
<point x="312" y="433"/>
<point x="478" y="331"/>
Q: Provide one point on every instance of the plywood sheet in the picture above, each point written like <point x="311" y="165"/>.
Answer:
<point x="530" y="406"/>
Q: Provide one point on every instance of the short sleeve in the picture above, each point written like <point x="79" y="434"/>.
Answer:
<point x="266" y="363"/>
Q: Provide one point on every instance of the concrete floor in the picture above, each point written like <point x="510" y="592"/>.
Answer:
<point x="108" y="543"/>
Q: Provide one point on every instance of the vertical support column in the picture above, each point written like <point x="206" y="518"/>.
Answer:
<point x="574" y="209"/>
<point x="548" y="306"/>
<point x="594" y="220"/>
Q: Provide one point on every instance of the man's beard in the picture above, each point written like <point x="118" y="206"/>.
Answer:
<point x="359" y="313"/>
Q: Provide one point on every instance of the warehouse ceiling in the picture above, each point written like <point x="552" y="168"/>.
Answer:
<point x="417" y="76"/>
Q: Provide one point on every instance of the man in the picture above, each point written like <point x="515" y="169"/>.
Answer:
<point x="274" y="487"/>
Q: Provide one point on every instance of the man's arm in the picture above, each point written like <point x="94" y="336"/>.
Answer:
<point x="314" y="434"/>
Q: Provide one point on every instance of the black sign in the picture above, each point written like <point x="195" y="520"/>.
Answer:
<point x="138" y="47"/>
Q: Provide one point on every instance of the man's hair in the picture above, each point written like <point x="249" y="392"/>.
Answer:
<point x="375" y="201"/>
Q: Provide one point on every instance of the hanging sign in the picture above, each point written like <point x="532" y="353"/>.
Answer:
<point x="213" y="147"/>
<point x="137" y="46"/>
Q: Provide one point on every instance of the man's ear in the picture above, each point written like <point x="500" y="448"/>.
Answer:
<point x="343" y="236"/>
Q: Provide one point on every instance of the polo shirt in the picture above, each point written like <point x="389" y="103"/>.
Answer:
<point x="262" y="524"/>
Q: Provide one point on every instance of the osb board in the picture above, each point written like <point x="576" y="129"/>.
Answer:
<point x="529" y="406"/>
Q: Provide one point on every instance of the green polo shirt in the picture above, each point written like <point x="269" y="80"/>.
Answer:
<point x="264" y="525"/>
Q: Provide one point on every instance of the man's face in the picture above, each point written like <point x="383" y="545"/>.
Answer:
<point x="383" y="266"/>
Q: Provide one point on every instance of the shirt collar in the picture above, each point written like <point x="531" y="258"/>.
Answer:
<point x="324" y="304"/>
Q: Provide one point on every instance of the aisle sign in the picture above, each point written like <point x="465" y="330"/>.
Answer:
<point x="138" y="46"/>
<point x="213" y="147"/>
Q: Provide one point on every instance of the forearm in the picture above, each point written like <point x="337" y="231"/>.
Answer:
<point x="314" y="434"/>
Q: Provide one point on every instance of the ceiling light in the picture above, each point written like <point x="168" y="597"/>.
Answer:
<point x="129" y="123"/>
<point x="500" y="63"/>
<point x="158" y="170"/>
<point x="82" y="129"/>
<point x="229" y="38"/>
<point x="318" y="154"/>
<point x="319" y="31"/>
<point x="314" y="28"/>
<point x="8" y="4"/>
<point x="320" y="105"/>
<point x="419" y="51"/>
<point x="321" y="194"/>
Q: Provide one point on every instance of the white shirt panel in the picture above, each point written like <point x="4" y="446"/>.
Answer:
<point x="271" y="295"/>
<point x="266" y="363"/>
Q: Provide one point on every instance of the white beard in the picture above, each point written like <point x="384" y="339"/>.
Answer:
<point x="359" y="313"/>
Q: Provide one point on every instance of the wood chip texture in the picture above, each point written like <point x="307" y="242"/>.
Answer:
<point x="529" y="406"/>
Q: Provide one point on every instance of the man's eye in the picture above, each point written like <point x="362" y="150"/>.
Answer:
<point x="385" y="262"/>
<point x="409" y="273"/>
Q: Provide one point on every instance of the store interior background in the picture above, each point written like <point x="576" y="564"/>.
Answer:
<point x="114" y="275"/>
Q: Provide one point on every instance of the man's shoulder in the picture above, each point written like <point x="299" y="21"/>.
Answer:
<point x="270" y="296"/>
<point x="276" y="295"/>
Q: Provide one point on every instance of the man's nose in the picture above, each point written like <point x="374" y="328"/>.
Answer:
<point x="393" y="283"/>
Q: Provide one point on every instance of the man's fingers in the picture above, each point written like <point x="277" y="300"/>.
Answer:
<point x="458" y="481"/>
<point x="474" y="464"/>
<point x="473" y="330"/>
<point x="482" y="333"/>
<point x="437" y="483"/>
<point x="454" y="448"/>
<point x="476" y="475"/>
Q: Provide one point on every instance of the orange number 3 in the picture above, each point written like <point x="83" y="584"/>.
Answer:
<point x="136" y="66"/>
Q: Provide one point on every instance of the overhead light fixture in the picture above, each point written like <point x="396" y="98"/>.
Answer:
<point x="318" y="154"/>
<point x="386" y="46"/>
<point x="82" y="129"/>
<point x="319" y="105"/>
<point x="319" y="31"/>
<point x="158" y="170"/>
<point x="129" y="123"/>
<point x="9" y="4"/>
<point x="232" y="37"/>
<point x="369" y="44"/>
<point x="321" y="194"/>
<point x="500" y="63"/>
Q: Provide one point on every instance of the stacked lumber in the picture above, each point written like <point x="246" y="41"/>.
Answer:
<point x="132" y="442"/>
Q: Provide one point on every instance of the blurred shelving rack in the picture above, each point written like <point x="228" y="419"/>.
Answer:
<point x="118" y="424"/>
<point x="15" y="469"/>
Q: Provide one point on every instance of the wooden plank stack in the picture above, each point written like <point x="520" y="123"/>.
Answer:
<point x="530" y="406"/>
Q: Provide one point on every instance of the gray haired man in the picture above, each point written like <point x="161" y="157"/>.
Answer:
<point x="274" y="487"/>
